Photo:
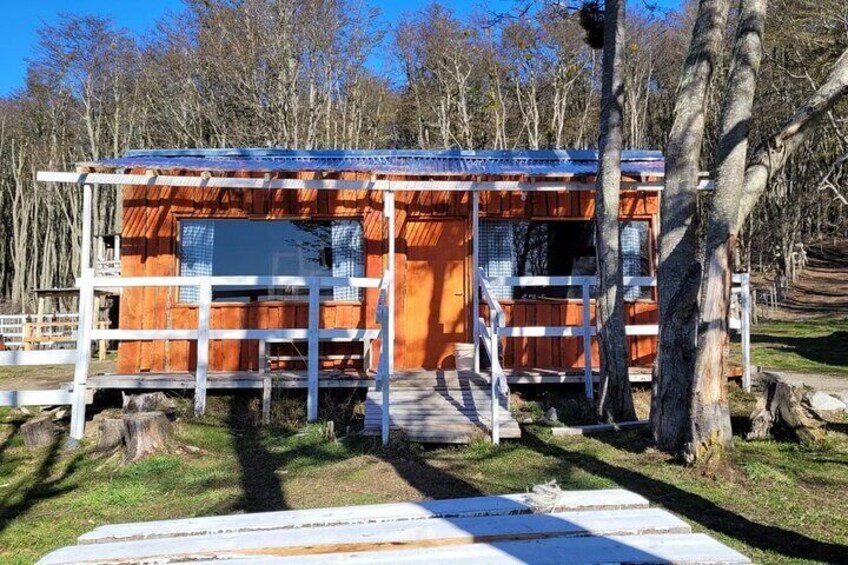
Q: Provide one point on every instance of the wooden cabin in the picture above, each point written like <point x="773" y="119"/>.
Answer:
<point x="463" y="234"/>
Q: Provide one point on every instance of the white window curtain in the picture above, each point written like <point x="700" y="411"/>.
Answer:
<point x="497" y="253"/>
<point x="197" y="242"/>
<point x="348" y="256"/>
<point x="631" y="258"/>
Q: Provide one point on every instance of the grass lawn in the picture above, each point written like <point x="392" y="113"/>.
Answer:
<point x="777" y="502"/>
<point x="818" y="345"/>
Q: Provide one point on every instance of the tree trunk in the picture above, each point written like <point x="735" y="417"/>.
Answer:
<point x="146" y="433"/>
<point x="782" y="407"/>
<point x="615" y="400"/>
<point x="710" y="434"/>
<point x="678" y="272"/>
<point x="111" y="434"/>
<point x="38" y="432"/>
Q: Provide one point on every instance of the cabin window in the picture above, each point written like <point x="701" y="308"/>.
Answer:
<point x="305" y="248"/>
<point x="557" y="248"/>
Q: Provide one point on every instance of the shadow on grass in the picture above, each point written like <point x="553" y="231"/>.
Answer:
<point x="262" y="486"/>
<point x="692" y="506"/>
<point x="42" y="484"/>
<point x="427" y="479"/>
<point x="827" y="349"/>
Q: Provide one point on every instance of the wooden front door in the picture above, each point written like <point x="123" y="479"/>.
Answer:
<point x="436" y="305"/>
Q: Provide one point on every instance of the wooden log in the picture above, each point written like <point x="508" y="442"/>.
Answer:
<point x="38" y="432"/>
<point x="149" y="402"/>
<point x="147" y="433"/>
<point x="111" y="434"/>
<point x="783" y="407"/>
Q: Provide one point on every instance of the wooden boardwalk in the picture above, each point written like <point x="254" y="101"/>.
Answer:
<point x="440" y="407"/>
<point x="582" y="527"/>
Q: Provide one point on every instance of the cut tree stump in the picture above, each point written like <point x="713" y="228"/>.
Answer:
<point x="149" y="402"/>
<point x="783" y="406"/>
<point x="111" y="434"/>
<point x="147" y="433"/>
<point x="39" y="432"/>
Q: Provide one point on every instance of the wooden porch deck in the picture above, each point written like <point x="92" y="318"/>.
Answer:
<point x="442" y="406"/>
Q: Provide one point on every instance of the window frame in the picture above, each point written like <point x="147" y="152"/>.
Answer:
<point x="290" y="218"/>
<point x="651" y="219"/>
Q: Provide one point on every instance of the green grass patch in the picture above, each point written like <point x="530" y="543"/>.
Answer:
<point x="777" y="502"/>
<point x="809" y="346"/>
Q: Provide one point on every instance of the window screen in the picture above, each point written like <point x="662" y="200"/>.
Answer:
<point x="306" y="248"/>
<point x="556" y="248"/>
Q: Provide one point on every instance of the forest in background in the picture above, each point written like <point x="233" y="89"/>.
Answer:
<point x="228" y="73"/>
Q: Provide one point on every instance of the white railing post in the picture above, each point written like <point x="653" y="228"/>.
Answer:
<point x="475" y="293"/>
<point x="587" y="342"/>
<point x="496" y="373"/>
<point x="83" y="357"/>
<point x="203" y="323"/>
<point x="745" y="314"/>
<point x="384" y="384"/>
<point x="312" y="361"/>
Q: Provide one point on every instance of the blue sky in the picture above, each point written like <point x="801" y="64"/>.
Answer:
<point x="22" y="18"/>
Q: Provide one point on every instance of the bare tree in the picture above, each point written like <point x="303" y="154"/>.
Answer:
<point x="615" y="399"/>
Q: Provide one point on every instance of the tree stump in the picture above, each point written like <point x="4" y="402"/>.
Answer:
<point x="38" y="432"/>
<point x="111" y="434"/>
<point x="146" y="433"/>
<point x="783" y="407"/>
<point x="149" y="402"/>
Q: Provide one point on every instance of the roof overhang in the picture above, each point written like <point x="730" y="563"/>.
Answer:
<point x="152" y="179"/>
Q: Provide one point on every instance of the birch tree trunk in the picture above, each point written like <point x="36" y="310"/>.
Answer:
<point x="678" y="271"/>
<point x="615" y="400"/>
<point x="710" y="433"/>
<point x="737" y="190"/>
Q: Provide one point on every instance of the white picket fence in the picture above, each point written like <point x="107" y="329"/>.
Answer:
<point x="13" y="328"/>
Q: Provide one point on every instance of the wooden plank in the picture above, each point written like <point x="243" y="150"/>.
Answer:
<point x="45" y="357"/>
<point x="576" y="500"/>
<point x="693" y="549"/>
<point x="596" y="428"/>
<point x="397" y="535"/>
<point x="17" y="398"/>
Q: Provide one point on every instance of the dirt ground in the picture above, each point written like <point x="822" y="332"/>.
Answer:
<point x="46" y="377"/>
<point x="822" y="286"/>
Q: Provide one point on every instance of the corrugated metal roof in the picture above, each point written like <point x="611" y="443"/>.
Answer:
<point x="406" y="162"/>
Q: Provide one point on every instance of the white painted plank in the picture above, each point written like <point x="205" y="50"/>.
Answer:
<point x="333" y="184"/>
<point x="352" y="537"/>
<point x="596" y="428"/>
<point x="245" y="280"/>
<point x="376" y="513"/>
<point x="35" y="397"/>
<point x="46" y="357"/>
<point x="693" y="549"/>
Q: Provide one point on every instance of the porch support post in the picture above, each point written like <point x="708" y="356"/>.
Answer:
<point x="475" y="281"/>
<point x="312" y="361"/>
<point x="85" y="303"/>
<point x="389" y="346"/>
<point x="203" y="318"/>
<point x="587" y="342"/>
<point x="745" y="319"/>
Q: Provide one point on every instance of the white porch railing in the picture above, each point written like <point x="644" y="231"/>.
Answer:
<point x="497" y="326"/>
<point x="203" y="333"/>
<point x="490" y="335"/>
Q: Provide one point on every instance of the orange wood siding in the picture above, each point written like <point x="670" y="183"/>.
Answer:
<point x="149" y="247"/>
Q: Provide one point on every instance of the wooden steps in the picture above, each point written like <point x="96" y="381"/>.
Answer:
<point x="440" y="407"/>
<point x="605" y="526"/>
